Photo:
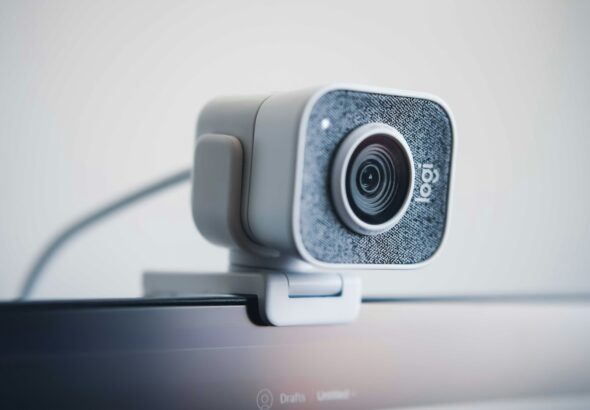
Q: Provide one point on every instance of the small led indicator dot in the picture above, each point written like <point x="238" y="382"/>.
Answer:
<point x="325" y="124"/>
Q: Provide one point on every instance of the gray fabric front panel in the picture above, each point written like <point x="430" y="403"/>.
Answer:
<point x="427" y="129"/>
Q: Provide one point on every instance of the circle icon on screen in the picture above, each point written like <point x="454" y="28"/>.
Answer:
<point x="264" y="399"/>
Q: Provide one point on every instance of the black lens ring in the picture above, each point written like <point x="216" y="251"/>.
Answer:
<point x="372" y="178"/>
<point x="393" y="186"/>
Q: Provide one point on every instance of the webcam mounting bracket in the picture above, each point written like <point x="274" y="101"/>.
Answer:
<point x="284" y="299"/>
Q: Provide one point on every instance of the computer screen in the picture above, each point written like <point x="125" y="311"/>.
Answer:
<point x="211" y="353"/>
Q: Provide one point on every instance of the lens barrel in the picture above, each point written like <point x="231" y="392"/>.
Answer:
<point x="372" y="178"/>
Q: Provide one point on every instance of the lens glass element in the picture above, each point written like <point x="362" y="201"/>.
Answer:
<point x="377" y="179"/>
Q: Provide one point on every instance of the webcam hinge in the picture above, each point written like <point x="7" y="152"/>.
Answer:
<point x="310" y="285"/>
<point x="283" y="299"/>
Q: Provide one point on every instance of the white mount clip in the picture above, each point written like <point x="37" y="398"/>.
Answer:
<point x="283" y="299"/>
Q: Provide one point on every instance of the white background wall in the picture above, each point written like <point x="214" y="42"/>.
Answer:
<point x="98" y="97"/>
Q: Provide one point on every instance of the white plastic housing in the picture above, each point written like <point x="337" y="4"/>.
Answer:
<point x="272" y="132"/>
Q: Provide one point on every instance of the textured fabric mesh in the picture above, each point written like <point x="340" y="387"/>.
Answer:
<point x="427" y="129"/>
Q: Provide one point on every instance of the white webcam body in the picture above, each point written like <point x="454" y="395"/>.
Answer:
<point x="306" y="187"/>
<point x="262" y="223"/>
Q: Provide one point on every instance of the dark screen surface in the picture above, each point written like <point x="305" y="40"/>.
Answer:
<point x="210" y="354"/>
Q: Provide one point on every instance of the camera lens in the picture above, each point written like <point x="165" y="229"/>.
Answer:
<point x="369" y="177"/>
<point x="377" y="179"/>
<point x="372" y="178"/>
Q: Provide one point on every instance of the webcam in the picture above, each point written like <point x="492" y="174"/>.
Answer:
<point x="308" y="187"/>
